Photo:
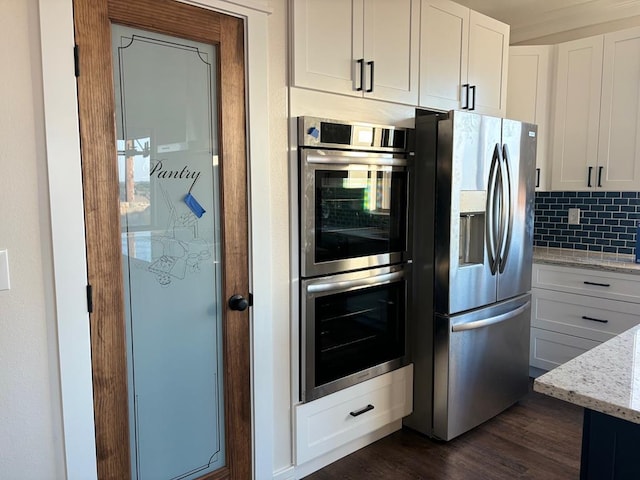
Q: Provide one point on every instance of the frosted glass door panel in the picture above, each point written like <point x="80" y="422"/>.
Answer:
<point x="169" y="210"/>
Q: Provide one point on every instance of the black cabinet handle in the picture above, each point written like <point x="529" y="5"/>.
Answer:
<point x="466" y="96"/>
<point x="589" y="177"/>
<point x="597" y="284"/>
<point x="600" y="176"/>
<point x="594" y="319"/>
<point x="473" y="103"/>
<point x="361" y="63"/>
<point x="366" y="409"/>
<point x="537" y="177"/>
<point x="370" y="89"/>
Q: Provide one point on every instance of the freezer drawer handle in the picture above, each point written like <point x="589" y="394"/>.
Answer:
<point x="597" y="284"/>
<point x="491" y="321"/>
<point x="366" y="409"/>
<point x="584" y="317"/>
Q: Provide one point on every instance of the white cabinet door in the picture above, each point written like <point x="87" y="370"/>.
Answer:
<point x="550" y="349"/>
<point x="529" y="98"/>
<point x="391" y="39"/>
<point x="463" y="59"/>
<point x="360" y="48"/>
<point x="327" y="44"/>
<point x="577" y="114"/>
<point x="443" y="54"/>
<point x="488" y="59"/>
<point x="619" y="146"/>
<point x="337" y="419"/>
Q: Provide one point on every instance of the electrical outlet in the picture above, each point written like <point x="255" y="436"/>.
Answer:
<point x="574" y="216"/>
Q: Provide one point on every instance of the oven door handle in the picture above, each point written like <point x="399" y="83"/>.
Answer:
<point x="321" y="158"/>
<point x="350" y="284"/>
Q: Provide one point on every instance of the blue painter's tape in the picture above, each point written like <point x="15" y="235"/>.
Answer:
<point x="314" y="132"/>
<point x="193" y="204"/>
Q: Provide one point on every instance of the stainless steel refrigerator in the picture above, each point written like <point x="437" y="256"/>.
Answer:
<point x="473" y="235"/>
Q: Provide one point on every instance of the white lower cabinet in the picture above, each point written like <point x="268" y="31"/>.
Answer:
<point x="337" y="419"/>
<point x="575" y="309"/>
<point x="550" y="349"/>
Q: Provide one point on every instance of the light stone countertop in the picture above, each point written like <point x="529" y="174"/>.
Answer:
<point x="585" y="259"/>
<point x="605" y="379"/>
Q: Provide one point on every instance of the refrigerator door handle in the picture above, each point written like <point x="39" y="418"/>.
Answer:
<point x="485" y="322"/>
<point x="491" y="222"/>
<point x="507" y="210"/>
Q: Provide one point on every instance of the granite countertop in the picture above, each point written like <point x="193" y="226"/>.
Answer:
<point x="585" y="259"/>
<point x="605" y="379"/>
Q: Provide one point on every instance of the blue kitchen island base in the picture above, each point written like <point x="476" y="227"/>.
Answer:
<point x="610" y="448"/>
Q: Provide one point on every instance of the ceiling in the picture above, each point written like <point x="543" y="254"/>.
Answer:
<point x="531" y="19"/>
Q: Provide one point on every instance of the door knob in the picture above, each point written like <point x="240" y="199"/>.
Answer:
<point x="238" y="302"/>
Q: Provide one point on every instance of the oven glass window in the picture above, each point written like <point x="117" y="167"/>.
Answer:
<point x="358" y="329"/>
<point x="360" y="212"/>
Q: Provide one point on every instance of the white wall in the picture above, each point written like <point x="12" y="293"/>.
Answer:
<point x="279" y="206"/>
<point x="30" y="416"/>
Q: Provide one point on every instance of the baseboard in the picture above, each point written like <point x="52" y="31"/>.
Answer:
<point x="287" y="473"/>
<point x="344" y="450"/>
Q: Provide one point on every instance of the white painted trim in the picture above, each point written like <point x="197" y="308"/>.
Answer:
<point x="67" y="231"/>
<point x="67" y="220"/>
<point x="288" y="473"/>
<point x="319" y="462"/>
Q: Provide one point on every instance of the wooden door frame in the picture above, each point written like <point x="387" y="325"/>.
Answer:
<point x="100" y="179"/>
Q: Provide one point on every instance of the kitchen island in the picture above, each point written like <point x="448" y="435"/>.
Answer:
<point x="606" y="382"/>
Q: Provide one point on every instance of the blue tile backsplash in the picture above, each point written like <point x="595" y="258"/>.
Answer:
<point x="607" y="221"/>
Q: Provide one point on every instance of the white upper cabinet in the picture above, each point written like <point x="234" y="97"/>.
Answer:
<point x="364" y="48"/>
<point x="463" y="59"/>
<point x="443" y="54"/>
<point x="529" y="98"/>
<point x="488" y="63"/>
<point x="597" y="120"/>
<point x="619" y="140"/>
<point x="577" y="114"/>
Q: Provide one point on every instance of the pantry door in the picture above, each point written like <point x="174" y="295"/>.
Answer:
<point x="163" y="140"/>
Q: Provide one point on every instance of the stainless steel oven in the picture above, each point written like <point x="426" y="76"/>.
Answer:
<point x="354" y="196"/>
<point x="353" y="327"/>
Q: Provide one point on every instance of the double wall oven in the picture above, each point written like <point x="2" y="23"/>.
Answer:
<point x="355" y="252"/>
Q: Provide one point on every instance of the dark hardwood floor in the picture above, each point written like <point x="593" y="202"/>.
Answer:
<point x="537" y="438"/>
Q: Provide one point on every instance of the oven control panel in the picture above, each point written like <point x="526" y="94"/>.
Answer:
<point x="322" y="132"/>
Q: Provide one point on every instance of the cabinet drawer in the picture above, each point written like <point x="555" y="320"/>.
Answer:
<point x="612" y="285"/>
<point x="579" y="315"/>
<point x="550" y="349"/>
<point x="327" y="423"/>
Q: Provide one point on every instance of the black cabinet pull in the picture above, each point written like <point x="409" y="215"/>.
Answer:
<point x="361" y="63"/>
<point x="355" y="413"/>
<point x="370" y="89"/>
<point x="466" y="96"/>
<point x="600" y="176"/>
<point x="473" y="103"/>
<point x="597" y="284"/>
<point x="537" y="177"/>
<point x="594" y="319"/>
<point x="589" y="177"/>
